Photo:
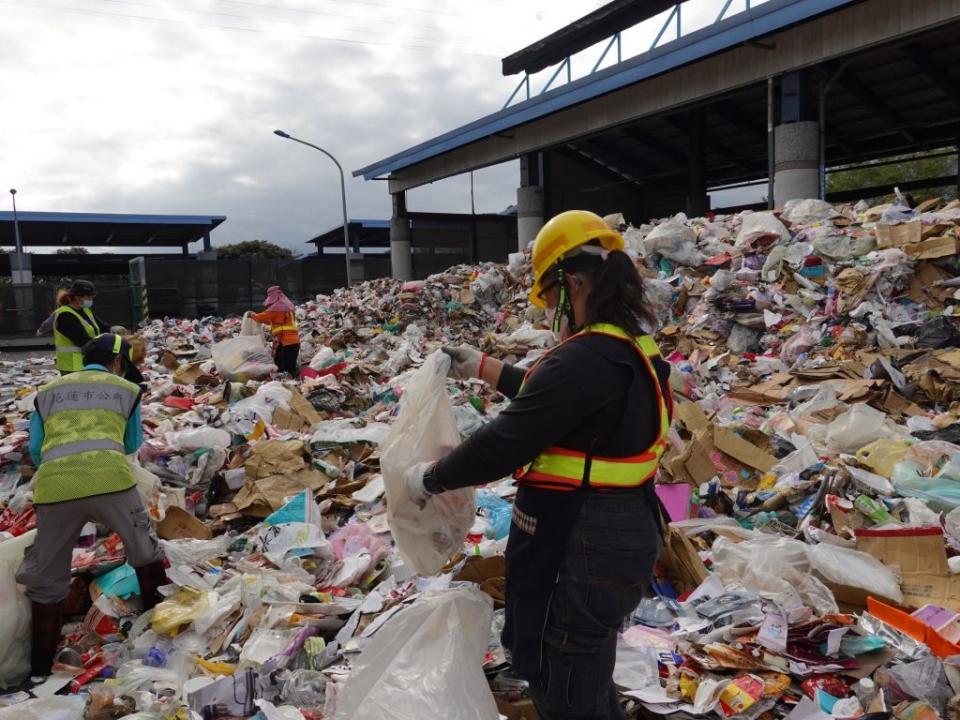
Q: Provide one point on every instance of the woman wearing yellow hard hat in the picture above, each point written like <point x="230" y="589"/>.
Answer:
<point x="586" y="428"/>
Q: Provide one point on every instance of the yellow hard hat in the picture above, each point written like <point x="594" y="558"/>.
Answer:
<point x="563" y="233"/>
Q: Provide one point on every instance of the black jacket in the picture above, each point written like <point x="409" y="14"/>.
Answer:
<point x="68" y="324"/>
<point x="591" y="391"/>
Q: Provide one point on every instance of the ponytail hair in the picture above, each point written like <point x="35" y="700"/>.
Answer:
<point x="616" y="295"/>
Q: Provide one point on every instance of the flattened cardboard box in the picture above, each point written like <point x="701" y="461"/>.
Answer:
<point x="889" y="236"/>
<point x="739" y="449"/>
<point x="920" y="557"/>
<point x="933" y="248"/>
<point x="179" y="524"/>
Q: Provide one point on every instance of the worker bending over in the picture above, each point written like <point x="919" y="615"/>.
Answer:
<point x="83" y="425"/>
<point x="586" y="427"/>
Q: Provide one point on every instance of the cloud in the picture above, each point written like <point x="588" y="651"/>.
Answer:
<point x="172" y="111"/>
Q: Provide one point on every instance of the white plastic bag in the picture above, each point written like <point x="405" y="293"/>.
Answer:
<point x="425" y="663"/>
<point x="857" y="569"/>
<point x="675" y="241"/>
<point x="250" y="327"/>
<point x="807" y="212"/>
<point x="263" y="403"/>
<point x="860" y="425"/>
<point x="759" y="225"/>
<point x="15" y="615"/>
<point x="198" y="439"/>
<point x="424" y="431"/>
<point x="54" y="708"/>
<point x="242" y="358"/>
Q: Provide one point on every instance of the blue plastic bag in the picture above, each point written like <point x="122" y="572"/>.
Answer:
<point x="498" y="513"/>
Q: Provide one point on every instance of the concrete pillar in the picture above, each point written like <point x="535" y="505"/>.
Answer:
<point x="530" y="201"/>
<point x="529" y="214"/>
<point x="697" y="200"/>
<point x="401" y="250"/>
<point x="796" y="162"/>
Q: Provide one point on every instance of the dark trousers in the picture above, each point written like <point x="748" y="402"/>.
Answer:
<point x="609" y="562"/>
<point x="285" y="357"/>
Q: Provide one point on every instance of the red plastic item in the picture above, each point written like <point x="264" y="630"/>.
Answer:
<point x="332" y="369"/>
<point x="830" y="684"/>
<point x="90" y="674"/>
<point x="182" y="403"/>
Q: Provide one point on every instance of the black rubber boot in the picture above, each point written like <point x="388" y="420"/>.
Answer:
<point x="151" y="577"/>
<point x="46" y="626"/>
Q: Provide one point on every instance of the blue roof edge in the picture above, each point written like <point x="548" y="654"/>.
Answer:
<point x="770" y="17"/>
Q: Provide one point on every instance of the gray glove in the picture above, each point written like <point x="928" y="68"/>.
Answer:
<point x="465" y="362"/>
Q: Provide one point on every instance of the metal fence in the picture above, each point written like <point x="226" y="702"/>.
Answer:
<point x="193" y="287"/>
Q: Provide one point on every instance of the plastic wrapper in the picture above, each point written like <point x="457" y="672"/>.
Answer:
<point x="425" y="663"/>
<point x="921" y="680"/>
<point x="881" y="455"/>
<point x="797" y="344"/>
<point x="188" y="551"/>
<point x="15" y="615"/>
<point x="243" y="358"/>
<point x="424" y="431"/>
<point x="305" y="689"/>
<point x="181" y="609"/>
<point x="940" y="493"/>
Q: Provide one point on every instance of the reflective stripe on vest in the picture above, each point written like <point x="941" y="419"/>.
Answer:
<point x="289" y="326"/>
<point x="84" y="418"/>
<point x="68" y="355"/>
<point x="566" y="469"/>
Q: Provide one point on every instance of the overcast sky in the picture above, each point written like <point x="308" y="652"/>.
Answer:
<point x="168" y="106"/>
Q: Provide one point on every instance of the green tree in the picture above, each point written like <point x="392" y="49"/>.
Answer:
<point x="896" y="170"/>
<point x="260" y="249"/>
<point x="73" y="251"/>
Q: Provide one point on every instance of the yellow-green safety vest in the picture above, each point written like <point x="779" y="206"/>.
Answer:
<point x="565" y="469"/>
<point x="84" y="422"/>
<point x="69" y="357"/>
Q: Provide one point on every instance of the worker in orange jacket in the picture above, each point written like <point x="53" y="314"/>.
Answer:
<point x="280" y="315"/>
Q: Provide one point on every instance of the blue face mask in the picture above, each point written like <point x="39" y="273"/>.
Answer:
<point x="87" y="303"/>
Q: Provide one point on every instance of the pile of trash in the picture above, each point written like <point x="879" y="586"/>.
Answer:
<point x="812" y="565"/>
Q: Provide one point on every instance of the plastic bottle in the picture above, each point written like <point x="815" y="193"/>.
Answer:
<point x="873" y="510"/>
<point x="865" y="690"/>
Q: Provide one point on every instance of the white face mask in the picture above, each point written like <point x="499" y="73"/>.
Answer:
<point x="564" y="331"/>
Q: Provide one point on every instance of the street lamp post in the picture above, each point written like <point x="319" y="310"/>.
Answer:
<point x="343" y="195"/>
<point x="16" y="223"/>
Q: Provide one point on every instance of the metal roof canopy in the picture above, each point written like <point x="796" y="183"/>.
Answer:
<point x="334" y="236"/>
<point x="895" y="98"/>
<point x="581" y="34"/>
<point x="735" y="30"/>
<point x="61" y="229"/>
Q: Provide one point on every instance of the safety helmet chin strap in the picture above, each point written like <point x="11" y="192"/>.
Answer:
<point x="564" y="306"/>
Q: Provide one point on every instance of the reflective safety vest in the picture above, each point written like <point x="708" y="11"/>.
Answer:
<point x="69" y="357"/>
<point x="84" y="422"/>
<point x="289" y="325"/>
<point x="560" y="468"/>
